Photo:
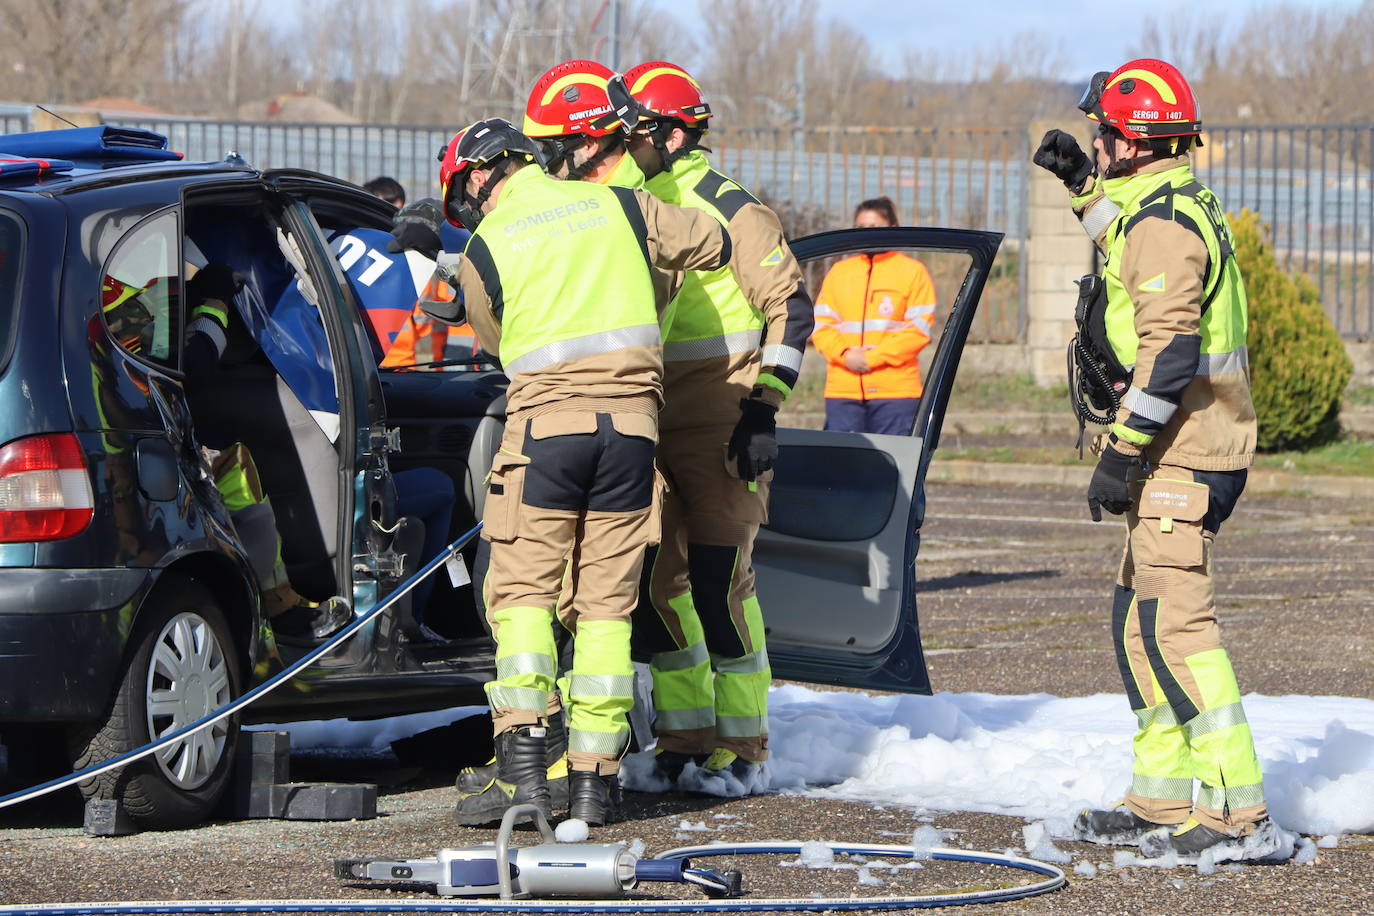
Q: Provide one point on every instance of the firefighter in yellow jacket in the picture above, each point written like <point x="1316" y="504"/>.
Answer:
<point x="556" y="284"/>
<point x="732" y="354"/>
<point x="1172" y="302"/>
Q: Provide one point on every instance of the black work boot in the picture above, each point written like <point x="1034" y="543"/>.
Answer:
<point x="1119" y="826"/>
<point x="592" y="798"/>
<point x="670" y="764"/>
<point x="1263" y="843"/>
<point x="475" y="780"/>
<point x="520" y="779"/>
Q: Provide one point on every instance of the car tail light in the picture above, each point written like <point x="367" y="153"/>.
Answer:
<point x="45" y="490"/>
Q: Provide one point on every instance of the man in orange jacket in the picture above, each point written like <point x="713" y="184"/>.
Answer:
<point x="873" y="316"/>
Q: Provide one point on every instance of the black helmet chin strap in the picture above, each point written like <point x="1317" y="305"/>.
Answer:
<point x="1160" y="148"/>
<point x="580" y="172"/>
<point x="470" y="210"/>
<point x="660" y="128"/>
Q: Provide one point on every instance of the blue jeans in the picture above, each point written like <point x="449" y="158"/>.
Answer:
<point x="426" y="494"/>
<point x="892" y="416"/>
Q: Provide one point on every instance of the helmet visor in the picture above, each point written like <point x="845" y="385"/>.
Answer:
<point x="1091" y="103"/>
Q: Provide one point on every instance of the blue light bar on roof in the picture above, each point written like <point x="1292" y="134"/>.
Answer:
<point x="102" y="145"/>
<point x="12" y="166"/>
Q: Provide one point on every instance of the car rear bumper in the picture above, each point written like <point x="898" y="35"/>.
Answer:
<point x="62" y="636"/>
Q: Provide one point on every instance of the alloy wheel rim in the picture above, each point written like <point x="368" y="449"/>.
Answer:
<point x="188" y="677"/>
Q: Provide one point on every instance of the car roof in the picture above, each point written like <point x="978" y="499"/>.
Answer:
<point x="60" y="161"/>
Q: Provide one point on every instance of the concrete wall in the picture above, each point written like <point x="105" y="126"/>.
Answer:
<point x="1060" y="253"/>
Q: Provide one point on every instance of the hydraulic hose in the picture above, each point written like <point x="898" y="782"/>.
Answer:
<point x="256" y="693"/>
<point x="1053" y="878"/>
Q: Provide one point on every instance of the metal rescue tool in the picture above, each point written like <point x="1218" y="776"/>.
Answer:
<point x="548" y="869"/>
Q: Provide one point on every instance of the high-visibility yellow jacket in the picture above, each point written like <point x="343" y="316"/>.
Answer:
<point x="885" y="302"/>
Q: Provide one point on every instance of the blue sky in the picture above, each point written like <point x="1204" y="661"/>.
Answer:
<point x="1092" y="34"/>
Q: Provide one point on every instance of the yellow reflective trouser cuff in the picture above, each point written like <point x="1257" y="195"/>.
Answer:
<point x="1223" y="749"/>
<point x="600" y="688"/>
<point x="742" y="683"/>
<point x="526" y="660"/>
<point x="684" y="696"/>
<point x="1161" y="767"/>
<point x="236" y="487"/>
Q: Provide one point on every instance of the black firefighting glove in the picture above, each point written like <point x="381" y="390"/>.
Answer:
<point x="1110" y="487"/>
<point x="754" y="442"/>
<point x="214" y="281"/>
<point x="1060" y="154"/>
<point x="416" y="228"/>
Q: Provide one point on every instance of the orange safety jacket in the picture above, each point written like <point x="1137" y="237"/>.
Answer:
<point x="885" y="302"/>
<point x="422" y="339"/>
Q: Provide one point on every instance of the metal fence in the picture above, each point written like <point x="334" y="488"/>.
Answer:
<point x="1311" y="184"/>
<point x="1315" y="189"/>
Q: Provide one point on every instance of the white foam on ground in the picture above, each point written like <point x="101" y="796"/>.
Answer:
<point x="1037" y="756"/>
<point x="572" y="830"/>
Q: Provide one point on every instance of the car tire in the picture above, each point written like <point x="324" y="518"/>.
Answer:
<point x="181" y="664"/>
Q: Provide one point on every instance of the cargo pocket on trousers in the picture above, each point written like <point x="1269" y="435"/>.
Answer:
<point x="1169" y="532"/>
<point x="751" y="506"/>
<point x="505" y="488"/>
<point x="656" y="509"/>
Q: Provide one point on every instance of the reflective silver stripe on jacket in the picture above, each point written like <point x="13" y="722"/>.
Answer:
<point x="1148" y="406"/>
<point x="825" y="311"/>
<point x="640" y="335"/>
<point x="922" y="316"/>
<point x="681" y="351"/>
<point x="783" y="356"/>
<point x="1098" y="217"/>
<point x="1238" y="360"/>
<point x="881" y="324"/>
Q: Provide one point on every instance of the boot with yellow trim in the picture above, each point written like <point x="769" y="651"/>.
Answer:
<point x="1263" y="842"/>
<point x="476" y="780"/>
<point x="521" y="779"/>
<point x="726" y="764"/>
<point x="1119" y="826"/>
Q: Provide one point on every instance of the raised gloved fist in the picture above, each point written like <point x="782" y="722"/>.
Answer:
<point x="416" y="228"/>
<point x="754" y="442"/>
<point x="214" y="281"/>
<point x="1060" y="154"/>
<point x="1110" y="487"/>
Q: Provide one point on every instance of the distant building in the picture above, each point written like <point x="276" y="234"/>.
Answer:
<point x="295" y="108"/>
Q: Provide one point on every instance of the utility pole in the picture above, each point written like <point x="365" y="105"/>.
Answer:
<point x="799" y="125"/>
<point x="613" y="40"/>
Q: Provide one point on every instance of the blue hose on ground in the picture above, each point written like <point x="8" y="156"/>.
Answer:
<point x="257" y="692"/>
<point x="1053" y="878"/>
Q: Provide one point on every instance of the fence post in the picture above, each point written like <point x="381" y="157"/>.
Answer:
<point x="1059" y="253"/>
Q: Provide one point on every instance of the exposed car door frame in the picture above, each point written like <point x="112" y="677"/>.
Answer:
<point x="900" y="665"/>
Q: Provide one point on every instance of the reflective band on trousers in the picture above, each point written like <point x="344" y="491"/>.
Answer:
<point x="752" y="663"/>
<point x="1230" y="797"/>
<point x="681" y="351"/>
<point x="601" y="685"/>
<point x="684" y="720"/>
<point x="1148" y="406"/>
<point x="783" y="356"/>
<point x="741" y="726"/>
<point x="1214" y="720"/>
<point x="641" y="335"/>
<point x="1162" y="715"/>
<point x="524" y="663"/>
<point x="1171" y="787"/>
<point x="1238" y="360"/>
<point x="208" y="327"/>
<point x="609" y="743"/>
<point x="681" y="659"/>
<point x="501" y="696"/>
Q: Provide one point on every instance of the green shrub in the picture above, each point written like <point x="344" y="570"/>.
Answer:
<point x="1298" y="364"/>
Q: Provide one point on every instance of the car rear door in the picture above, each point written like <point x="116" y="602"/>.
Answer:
<point x="836" y="563"/>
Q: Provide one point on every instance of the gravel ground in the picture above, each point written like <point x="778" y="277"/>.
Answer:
<point x="1015" y="586"/>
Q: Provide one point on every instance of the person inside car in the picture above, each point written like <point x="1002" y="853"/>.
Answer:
<point x="293" y="617"/>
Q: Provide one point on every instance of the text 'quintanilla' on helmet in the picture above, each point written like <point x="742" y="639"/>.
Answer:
<point x="494" y="142"/>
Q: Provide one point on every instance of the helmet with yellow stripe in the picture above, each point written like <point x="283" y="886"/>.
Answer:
<point x="666" y="91"/>
<point x="1143" y="99"/>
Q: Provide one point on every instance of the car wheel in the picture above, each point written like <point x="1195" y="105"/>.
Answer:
<point x="181" y="665"/>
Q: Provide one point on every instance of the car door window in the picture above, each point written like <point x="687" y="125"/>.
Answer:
<point x="140" y="290"/>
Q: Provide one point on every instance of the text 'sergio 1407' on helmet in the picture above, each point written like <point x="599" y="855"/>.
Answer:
<point x="665" y="90"/>
<point x="493" y="141"/>
<point x="1143" y="99"/>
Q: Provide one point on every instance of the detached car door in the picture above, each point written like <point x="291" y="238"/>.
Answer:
<point x="836" y="563"/>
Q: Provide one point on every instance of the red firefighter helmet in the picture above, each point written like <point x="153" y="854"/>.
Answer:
<point x="1143" y="99"/>
<point x="570" y="98"/>
<point x="665" y="90"/>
